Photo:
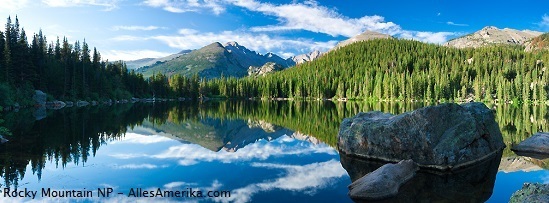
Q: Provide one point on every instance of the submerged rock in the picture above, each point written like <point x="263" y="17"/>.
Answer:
<point x="39" y="98"/>
<point x="537" y="144"/>
<point x="471" y="184"/>
<point x="383" y="182"/>
<point x="40" y="113"/>
<point x="82" y="103"/>
<point x="531" y="192"/>
<point x="55" y="105"/>
<point x="3" y="140"/>
<point x="446" y="136"/>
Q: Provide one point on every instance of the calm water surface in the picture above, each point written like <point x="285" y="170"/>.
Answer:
<point x="256" y="151"/>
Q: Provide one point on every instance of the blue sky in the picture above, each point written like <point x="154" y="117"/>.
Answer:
<point x="124" y="29"/>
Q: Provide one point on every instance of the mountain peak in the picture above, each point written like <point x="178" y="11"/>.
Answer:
<point x="215" y="44"/>
<point x="491" y="35"/>
<point x="367" y="35"/>
<point x="490" y="28"/>
<point x="232" y="43"/>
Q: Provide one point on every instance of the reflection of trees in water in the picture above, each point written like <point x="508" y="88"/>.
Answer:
<point x="67" y="135"/>
<point x="73" y="134"/>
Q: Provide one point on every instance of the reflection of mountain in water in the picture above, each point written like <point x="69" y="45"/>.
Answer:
<point x="521" y="163"/>
<point x="228" y="134"/>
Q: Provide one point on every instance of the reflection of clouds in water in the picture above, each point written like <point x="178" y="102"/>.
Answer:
<point x="139" y="166"/>
<point x="127" y="156"/>
<point x="545" y="178"/>
<point x="190" y="154"/>
<point x="308" y="179"/>
<point x="135" y="138"/>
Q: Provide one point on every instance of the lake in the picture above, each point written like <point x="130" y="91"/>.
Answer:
<point x="229" y="151"/>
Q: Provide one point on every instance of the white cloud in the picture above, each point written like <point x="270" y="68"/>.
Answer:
<point x="429" y="37"/>
<point x="312" y="17"/>
<point x="114" y="55"/>
<point x="190" y="39"/>
<point x="456" y="24"/>
<point x="315" y="18"/>
<point x="129" y="38"/>
<point x="134" y="28"/>
<point x="178" y="184"/>
<point x="307" y="178"/>
<point x="108" y="4"/>
<point x="544" y="22"/>
<point x="12" y="5"/>
<point x="182" y="6"/>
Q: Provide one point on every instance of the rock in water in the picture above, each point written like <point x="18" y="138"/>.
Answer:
<point x="39" y="98"/>
<point x="3" y="140"/>
<point x="531" y="192"/>
<point x="383" y="182"/>
<point x="445" y="136"/>
<point x="537" y="144"/>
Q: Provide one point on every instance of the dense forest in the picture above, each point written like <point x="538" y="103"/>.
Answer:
<point x="63" y="70"/>
<point x="391" y="69"/>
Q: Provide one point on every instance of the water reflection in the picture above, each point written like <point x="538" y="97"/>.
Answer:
<point x="267" y="141"/>
<point x="473" y="184"/>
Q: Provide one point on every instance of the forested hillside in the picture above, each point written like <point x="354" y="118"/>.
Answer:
<point x="390" y="69"/>
<point x="65" y="71"/>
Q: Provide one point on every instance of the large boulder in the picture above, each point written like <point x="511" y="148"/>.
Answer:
<point x="39" y="98"/>
<point x="531" y="192"/>
<point x="446" y="136"/>
<point x="383" y="182"/>
<point x="537" y="144"/>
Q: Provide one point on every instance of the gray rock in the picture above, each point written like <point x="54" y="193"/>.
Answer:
<point x="55" y="105"/>
<point x="39" y="98"/>
<point x="446" y="136"/>
<point x="40" y="113"/>
<point x="537" y="144"/>
<point x="531" y="193"/>
<point x="82" y="103"/>
<point x="471" y="184"/>
<point x="3" y="140"/>
<point x="69" y="104"/>
<point x="383" y="182"/>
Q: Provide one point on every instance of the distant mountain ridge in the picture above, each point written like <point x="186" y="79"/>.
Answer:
<point x="135" y="64"/>
<point x="491" y="35"/>
<point x="215" y="60"/>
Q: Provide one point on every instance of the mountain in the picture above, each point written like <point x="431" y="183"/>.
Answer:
<point x="302" y="58"/>
<point x="215" y="60"/>
<point x="538" y="43"/>
<point x="491" y="35"/>
<point x="221" y="134"/>
<point x="135" y="64"/>
<point x="269" y="67"/>
<point x="365" y="36"/>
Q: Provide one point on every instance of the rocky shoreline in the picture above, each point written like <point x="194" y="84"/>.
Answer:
<point x="41" y="103"/>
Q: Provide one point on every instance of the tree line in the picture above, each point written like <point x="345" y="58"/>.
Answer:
<point x="65" y="71"/>
<point x="391" y="69"/>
